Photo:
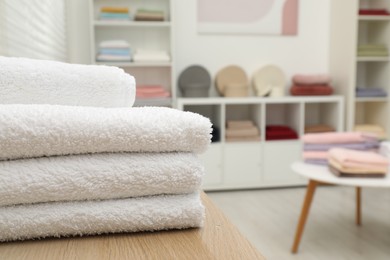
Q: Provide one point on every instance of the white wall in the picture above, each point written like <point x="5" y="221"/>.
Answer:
<point x="306" y="52"/>
<point x="78" y="31"/>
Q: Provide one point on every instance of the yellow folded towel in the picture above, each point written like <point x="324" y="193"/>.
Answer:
<point x="112" y="9"/>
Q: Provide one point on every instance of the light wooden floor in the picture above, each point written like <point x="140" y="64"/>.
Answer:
<point x="268" y="219"/>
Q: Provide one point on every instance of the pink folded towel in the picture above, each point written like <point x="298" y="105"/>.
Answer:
<point x="300" y="79"/>
<point x="345" y="156"/>
<point x="337" y="137"/>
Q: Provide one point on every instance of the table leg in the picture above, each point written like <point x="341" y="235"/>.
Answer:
<point x="311" y="187"/>
<point x="358" y="206"/>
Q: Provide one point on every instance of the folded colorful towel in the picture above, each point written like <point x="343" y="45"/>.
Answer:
<point x="47" y="130"/>
<point x="252" y="131"/>
<point x="270" y="136"/>
<point x="115" y="51"/>
<point x="338" y="138"/>
<point x="311" y="91"/>
<point x="339" y="173"/>
<point x="98" y="176"/>
<point x="113" y="9"/>
<point x="114" y="16"/>
<point x="373" y="12"/>
<point x="237" y="124"/>
<point x="376" y="130"/>
<point x="357" y="167"/>
<point x="315" y="155"/>
<point x="279" y="132"/>
<point x="243" y="139"/>
<point x="372" y="47"/>
<point x="318" y="128"/>
<point x="372" y="53"/>
<point x="29" y="81"/>
<point x="59" y="219"/>
<point x="316" y="161"/>
<point x="370" y="92"/>
<point x="345" y="156"/>
<point x="152" y="91"/>
<point x="311" y="79"/>
<point x="368" y="145"/>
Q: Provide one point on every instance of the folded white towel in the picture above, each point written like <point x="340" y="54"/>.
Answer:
<point x="29" y="81"/>
<point x="96" y="217"/>
<point x="98" y="176"/>
<point x="114" y="44"/>
<point x="46" y="130"/>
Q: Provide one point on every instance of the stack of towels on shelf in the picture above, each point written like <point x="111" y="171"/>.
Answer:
<point x="114" y="50"/>
<point x="311" y="85"/>
<point x="144" y="55"/>
<point x="112" y="13"/>
<point x="241" y="131"/>
<point x="373" y="11"/>
<point x="151" y="91"/>
<point x="370" y="92"/>
<point x="78" y="170"/>
<point x="318" y="128"/>
<point x="372" y="50"/>
<point x="373" y="129"/>
<point x="279" y="132"/>
<point x="317" y="145"/>
<point x="149" y="15"/>
<point x="350" y="163"/>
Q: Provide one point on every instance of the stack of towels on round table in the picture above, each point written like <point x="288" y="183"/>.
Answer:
<point x="77" y="169"/>
<point x="317" y="145"/>
<point x="347" y="154"/>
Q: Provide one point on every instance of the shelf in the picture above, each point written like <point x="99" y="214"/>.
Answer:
<point x="374" y="17"/>
<point x="374" y="59"/>
<point x="371" y="99"/>
<point x="136" y="64"/>
<point x="131" y="24"/>
<point x="256" y="100"/>
<point x="153" y="102"/>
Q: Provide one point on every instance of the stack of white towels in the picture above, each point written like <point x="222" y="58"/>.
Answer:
<point x="71" y="170"/>
<point x="114" y="50"/>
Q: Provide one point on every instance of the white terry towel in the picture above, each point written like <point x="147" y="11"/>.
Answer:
<point x="98" y="176"/>
<point x="97" y="217"/>
<point x="46" y="130"/>
<point x="29" y="81"/>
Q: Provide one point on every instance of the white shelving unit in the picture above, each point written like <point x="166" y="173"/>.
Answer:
<point x="348" y="30"/>
<point x="265" y="163"/>
<point x="153" y="35"/>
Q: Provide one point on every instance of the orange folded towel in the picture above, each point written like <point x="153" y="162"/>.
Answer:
<point x="337" y="138"/>
<point x="112" y="9"/>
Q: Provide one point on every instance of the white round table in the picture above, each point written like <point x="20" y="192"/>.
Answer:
<point x="318" y="174"/>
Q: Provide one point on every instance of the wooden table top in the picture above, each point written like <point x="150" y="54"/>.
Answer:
<point x="218" y="239"/>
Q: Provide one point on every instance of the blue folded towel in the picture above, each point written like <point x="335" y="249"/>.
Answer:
<point x="114" y="51"/>
<point x="116" y="16"/>
<point x="370" y="92"/>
